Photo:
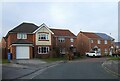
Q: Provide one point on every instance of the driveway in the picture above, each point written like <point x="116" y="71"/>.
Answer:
<point x="89" y="68"/>
<point x="22" y="68"/>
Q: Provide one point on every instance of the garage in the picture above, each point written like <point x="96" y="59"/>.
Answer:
<point x="22" y="52"/>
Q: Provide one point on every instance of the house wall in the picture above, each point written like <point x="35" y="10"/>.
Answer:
<point x="3" y="49"/>
<point x="102" y="46"/>
<point x="37" y="55"/>
<point x="67" y="44"/>
<point x="82" y="43"/>
<point x="48" y="42"/>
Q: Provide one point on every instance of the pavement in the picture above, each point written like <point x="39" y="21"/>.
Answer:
<point x="112" y="66"/>
<point x="23" y="68"/>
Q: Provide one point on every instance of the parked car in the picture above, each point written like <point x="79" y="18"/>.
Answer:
<point x="93" y="54"/>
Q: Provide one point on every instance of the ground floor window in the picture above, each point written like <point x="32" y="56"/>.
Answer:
<point x="43" y="50"/>
<point x="105" y="51"/>
<point x="62" y="50"/>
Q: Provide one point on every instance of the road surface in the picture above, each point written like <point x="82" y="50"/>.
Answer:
<point x="89" y="68"/>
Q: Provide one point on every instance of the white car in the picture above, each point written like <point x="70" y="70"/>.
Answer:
<point x="93" y="54"/>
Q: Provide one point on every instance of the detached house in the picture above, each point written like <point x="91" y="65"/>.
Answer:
<point x="29" y="41"/>
<point x="88" y="41"/>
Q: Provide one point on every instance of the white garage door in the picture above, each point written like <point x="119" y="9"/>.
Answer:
<point x="22" y="52"/>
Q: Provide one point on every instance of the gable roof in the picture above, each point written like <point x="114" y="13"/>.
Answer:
<point x="62" y="32"/>
<point x="24" y="28"/>
<point x="91" y="35"/>
<point x="43" y="25"/>
<point x="104" y="36"/>
<point x="98" y="35"/>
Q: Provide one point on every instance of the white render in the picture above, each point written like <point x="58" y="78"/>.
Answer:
<point x="43" y="29"/>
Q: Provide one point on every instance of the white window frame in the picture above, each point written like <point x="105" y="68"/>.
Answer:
<point x="42" y="51"/>
<point x="21" y="36"/>
<point x="99" y="41"/>
<point x="42" y="36"/>
<point x="71" y="40"/>
<point x="62" y="50"/>
<point x="61" y="39"/>
<point x="105" y="42"/>
<point x="92" y="41"/>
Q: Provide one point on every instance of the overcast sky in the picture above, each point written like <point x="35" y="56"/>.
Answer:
<point x="75" y="16"/>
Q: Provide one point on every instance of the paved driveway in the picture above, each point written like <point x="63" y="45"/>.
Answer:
<point x="89" y="68"/>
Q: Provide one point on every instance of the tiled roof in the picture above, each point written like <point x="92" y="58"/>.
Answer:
<point x="62" y="32"/>
<point x="104" y="36"/>
<point x="117" y="43"/>
<point x="98" y="35"/>
<point x="22" y="41"/>
<point x="24" y="28"/>
<point x="91" y="35"/>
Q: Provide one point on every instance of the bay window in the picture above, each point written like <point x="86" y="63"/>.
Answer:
<point x="42" y="36"/>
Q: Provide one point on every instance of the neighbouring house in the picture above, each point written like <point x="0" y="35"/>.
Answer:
<point x="116" y="49"/>
<point x="28" y="40"/>
<point x="88" y="41"/>
<point x="3" y="48"/>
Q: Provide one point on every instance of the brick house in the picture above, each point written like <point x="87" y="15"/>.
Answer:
<point x="3" y="48"/>
<point x="87" y="41"/>
<point x="116" y="49"/>
<point x="28" y="40"/>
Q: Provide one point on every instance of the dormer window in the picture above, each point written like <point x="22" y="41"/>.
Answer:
<point x="42" y="36"/>
<point x="21" y="36"/>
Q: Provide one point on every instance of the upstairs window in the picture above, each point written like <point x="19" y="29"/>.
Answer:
<point x="71" y="40"/>
<point x="91" y="41"/>
<point x="21" y="36"/>
<point x="99" y="42"/>
<point x="105" y="41"/>
<point x="42" y="36"/>
<point x="61" y="39"/>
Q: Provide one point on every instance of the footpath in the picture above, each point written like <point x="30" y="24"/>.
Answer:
<point x="112" y="66"/>
<point x="21" y="69"/>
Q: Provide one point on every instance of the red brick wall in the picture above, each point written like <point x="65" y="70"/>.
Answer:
<point x="67" y="44"/>
<point x="82" y="43"/>
<point x="31" y="52"/>
<point x="13" y="52"/>
<point x="41" y="55"/>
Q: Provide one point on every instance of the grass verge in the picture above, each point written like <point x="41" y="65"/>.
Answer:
<point x="114" y="58"/>
<point x="53" y="59"/>
<point x="4" y="61"/>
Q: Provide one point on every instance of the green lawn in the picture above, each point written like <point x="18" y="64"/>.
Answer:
<point x="114" y="58"/>
<point x="4" y="61"/>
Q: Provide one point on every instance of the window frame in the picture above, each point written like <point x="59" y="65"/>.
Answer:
<point x="61" y="39"/>
<point x="71" y="40"/>
<point x="99" y="41"/>
<point x="43" y="50"/>
<point x="105" y="42"/>
<point x="62" y="51"/>
<point x="21" y="36"/>
<point x="92" y="41"/>
<point x="43" y="36"/>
